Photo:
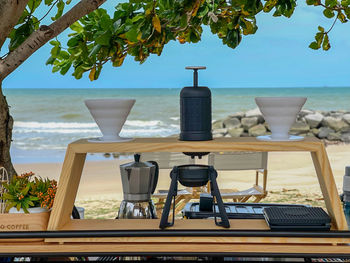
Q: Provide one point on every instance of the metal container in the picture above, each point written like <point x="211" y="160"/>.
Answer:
<point x="139" y="179"/>
<point x="195" y="111"/>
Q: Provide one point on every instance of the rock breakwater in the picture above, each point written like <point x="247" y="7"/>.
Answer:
<point x="326" y="125"/>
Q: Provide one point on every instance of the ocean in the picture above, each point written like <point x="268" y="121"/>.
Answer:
<point x="47" y="120"/>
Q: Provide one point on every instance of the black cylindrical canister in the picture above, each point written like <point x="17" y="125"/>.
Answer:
<point x="195" y="111"/>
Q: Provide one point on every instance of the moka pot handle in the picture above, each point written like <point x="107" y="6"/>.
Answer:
<point x="156" y="175"/>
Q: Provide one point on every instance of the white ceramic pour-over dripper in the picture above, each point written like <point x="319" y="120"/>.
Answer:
<point x="280" y="113"/>
<point x="110" y="116"/>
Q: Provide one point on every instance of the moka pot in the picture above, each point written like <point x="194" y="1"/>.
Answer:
<point x="139" y="180"/>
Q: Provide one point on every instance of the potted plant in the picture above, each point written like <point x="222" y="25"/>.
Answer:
<point x="27" y="193"/>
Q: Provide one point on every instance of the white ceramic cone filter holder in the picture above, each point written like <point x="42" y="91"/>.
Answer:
<point x="110" y="116"/>
<point x="280" y="113"/>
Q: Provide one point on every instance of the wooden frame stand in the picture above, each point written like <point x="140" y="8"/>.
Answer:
<point x="70" y="178"/>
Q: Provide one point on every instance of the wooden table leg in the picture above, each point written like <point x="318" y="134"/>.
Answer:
<point x="67" y="189"/>
<point x="328" y="188"/>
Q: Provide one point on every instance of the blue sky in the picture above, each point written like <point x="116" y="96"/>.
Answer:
<point x="276" y="56"/>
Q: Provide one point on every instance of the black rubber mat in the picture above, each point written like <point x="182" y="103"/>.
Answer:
<point x="297" y="217"/>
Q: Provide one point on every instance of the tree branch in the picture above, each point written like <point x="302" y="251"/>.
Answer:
<point x="40" y="37"/>
<point x="10" y="12"/>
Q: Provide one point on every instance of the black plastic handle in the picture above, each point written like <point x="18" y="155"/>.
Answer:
<point x="171" y="193"/>
<point x="156" y="176"/>
<point x="195" y="73"/>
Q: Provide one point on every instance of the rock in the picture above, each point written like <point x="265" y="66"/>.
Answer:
<point x="247" y="123"/>
<point x="217" y="124"/>
<point x="334" y="136"/>
<point x="314" y="119"/>
<point x="346" y="118"/>
<point x="231" y="123"/>
<point x="238" y="115"/>
<point x="336" y="114"/>
<point x="303" y="113"/>
<point x="218" y="135"/>
<point x="315" y="131"/>
<point x="257" y="130"/>
<point x="324" y="132"/>
<point x="267" y="126"/>
<point x="299" y="128"/>
<point x="235" y="132"/>
<point x="345" y="129"/>
<point x="310" y="134"/>
<point x="334" y="123"/>
<point x="345" y="137"/>
<point x="255" y="113"/>
<point x="221" y="131"/>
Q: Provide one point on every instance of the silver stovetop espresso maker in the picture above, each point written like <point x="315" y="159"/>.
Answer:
<point x="139" y="181"/>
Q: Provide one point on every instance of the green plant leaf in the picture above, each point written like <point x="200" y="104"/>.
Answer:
<point x="33" y="4"/>
<point x="314" y="45"/>
<point x="77" y="27"/>
<point x="328" y="13"/>
<point x="325" y="45"/>
<point x="131" y="35"/>
<point x="60" y="6"/>
<point x="104" y="39"/>
<point x="319" y="38"/>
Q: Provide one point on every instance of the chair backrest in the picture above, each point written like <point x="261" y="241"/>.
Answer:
<point x="166" y="160"/>
<point x="238" y="160"/>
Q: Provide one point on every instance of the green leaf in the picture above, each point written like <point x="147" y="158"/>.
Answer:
<point x="55" y="43"/>
<point x="321" y="29"/>
<point x="26" y="190"/>
<point x="23" y="17"/>
<point x="105" y="22"/>
<point x="104" y="39"/>
<point x="65" y="67"/>
<point x="326" y="44"/>
<point x="116" y="25"/>
<point x="60" y="7"/>
<point x="314" y="45"/>
<point x="50" y="61"/>
<point x="131" y="35"/>
<point x="341" y="17"/>
<point x="8" y="196"/>
<point x="48" y="2"/>
<point x="78" y="73"/>
<point x="347" y="12"/>
<point x="77" y="27"/>
<point x="311" y="2"/>
<point x="33" y="4"/>
<point x="55" y="51"/>
<point x="94" y="50"/>
<point x="55" y="69"/>
<point x="74" y="41"/>
<point x="137" y="18"/>
<point x="319" y="38"/>
<point x="64" y="55"/>
<point x="328" y="13"/>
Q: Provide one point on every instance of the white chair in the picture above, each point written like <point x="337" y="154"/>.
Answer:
<point x="168" y="160"/>
<point x="242" y="161"/>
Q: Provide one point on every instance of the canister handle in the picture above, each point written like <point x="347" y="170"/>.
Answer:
<point x="195" y="73"/>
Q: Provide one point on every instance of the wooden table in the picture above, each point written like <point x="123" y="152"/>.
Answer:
<point x="171" y="242"/>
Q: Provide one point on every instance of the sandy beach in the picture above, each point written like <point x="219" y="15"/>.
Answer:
<point x="101" y="179"/>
